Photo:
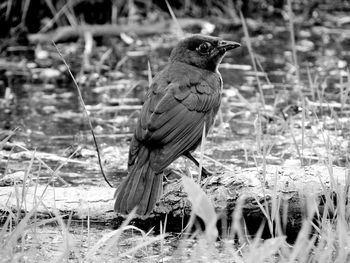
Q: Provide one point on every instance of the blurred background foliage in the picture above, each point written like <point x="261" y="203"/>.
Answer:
<point x="32" y="16"/>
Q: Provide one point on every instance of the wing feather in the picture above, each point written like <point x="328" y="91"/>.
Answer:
<point x="173" y="117"/>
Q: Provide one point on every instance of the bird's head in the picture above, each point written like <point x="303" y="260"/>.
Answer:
<point x="202" y="51"/>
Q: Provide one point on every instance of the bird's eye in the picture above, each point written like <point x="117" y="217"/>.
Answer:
<point x="204" y="48"/>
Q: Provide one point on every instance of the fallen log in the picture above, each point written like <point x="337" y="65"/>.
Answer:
<point x="287" y="188"/>
<point x="65" y="33"/>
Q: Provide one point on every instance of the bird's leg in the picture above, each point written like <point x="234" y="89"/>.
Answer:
<point x="170" y="175"/>
<point x="205" y="172"/>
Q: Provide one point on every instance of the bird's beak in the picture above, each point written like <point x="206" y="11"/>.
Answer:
<point x="227" y="45"/>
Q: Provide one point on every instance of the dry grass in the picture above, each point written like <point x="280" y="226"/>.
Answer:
<point x="324" y="237"/>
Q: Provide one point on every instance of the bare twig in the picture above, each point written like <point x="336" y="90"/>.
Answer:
<point x="86" y="114"/>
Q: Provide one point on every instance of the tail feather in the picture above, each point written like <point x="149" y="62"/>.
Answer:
<point x="156" y="192"/>
<point x="141" y="188"/>
<point x="143" y="194"/>
<point x="136" y="185"/>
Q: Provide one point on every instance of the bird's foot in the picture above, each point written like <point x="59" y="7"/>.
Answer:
<point x="206" y="173"/>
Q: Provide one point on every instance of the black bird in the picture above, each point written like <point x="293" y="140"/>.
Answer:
<point x="183" y="97"/>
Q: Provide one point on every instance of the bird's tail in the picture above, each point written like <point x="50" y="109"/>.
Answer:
<point x="141" y="188"/>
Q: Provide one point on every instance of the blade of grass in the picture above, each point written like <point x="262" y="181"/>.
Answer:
<point x="252" y="57"/>
<point x="292" y="37"/>
<point x="176" y="22"/>
<point x="7" y="138"/>
<point x="114" y="235"/>
<point x="311" y="84"/>
<point x="25" y="7"/>
<point x="8" y="9"/>
<point x="149" y="74"/>
<point x="201" y="207"/>
<point x="201" y="155"/>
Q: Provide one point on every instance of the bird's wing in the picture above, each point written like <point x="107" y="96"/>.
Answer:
<point x="173" y="117"/>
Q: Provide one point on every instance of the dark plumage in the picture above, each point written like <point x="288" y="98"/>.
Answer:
<point x="183" y="97"/>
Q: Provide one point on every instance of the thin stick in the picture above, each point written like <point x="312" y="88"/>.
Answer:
<point x="86" y="114"/>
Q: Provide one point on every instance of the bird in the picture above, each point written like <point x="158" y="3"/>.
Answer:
<point x="183" y="98"/>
